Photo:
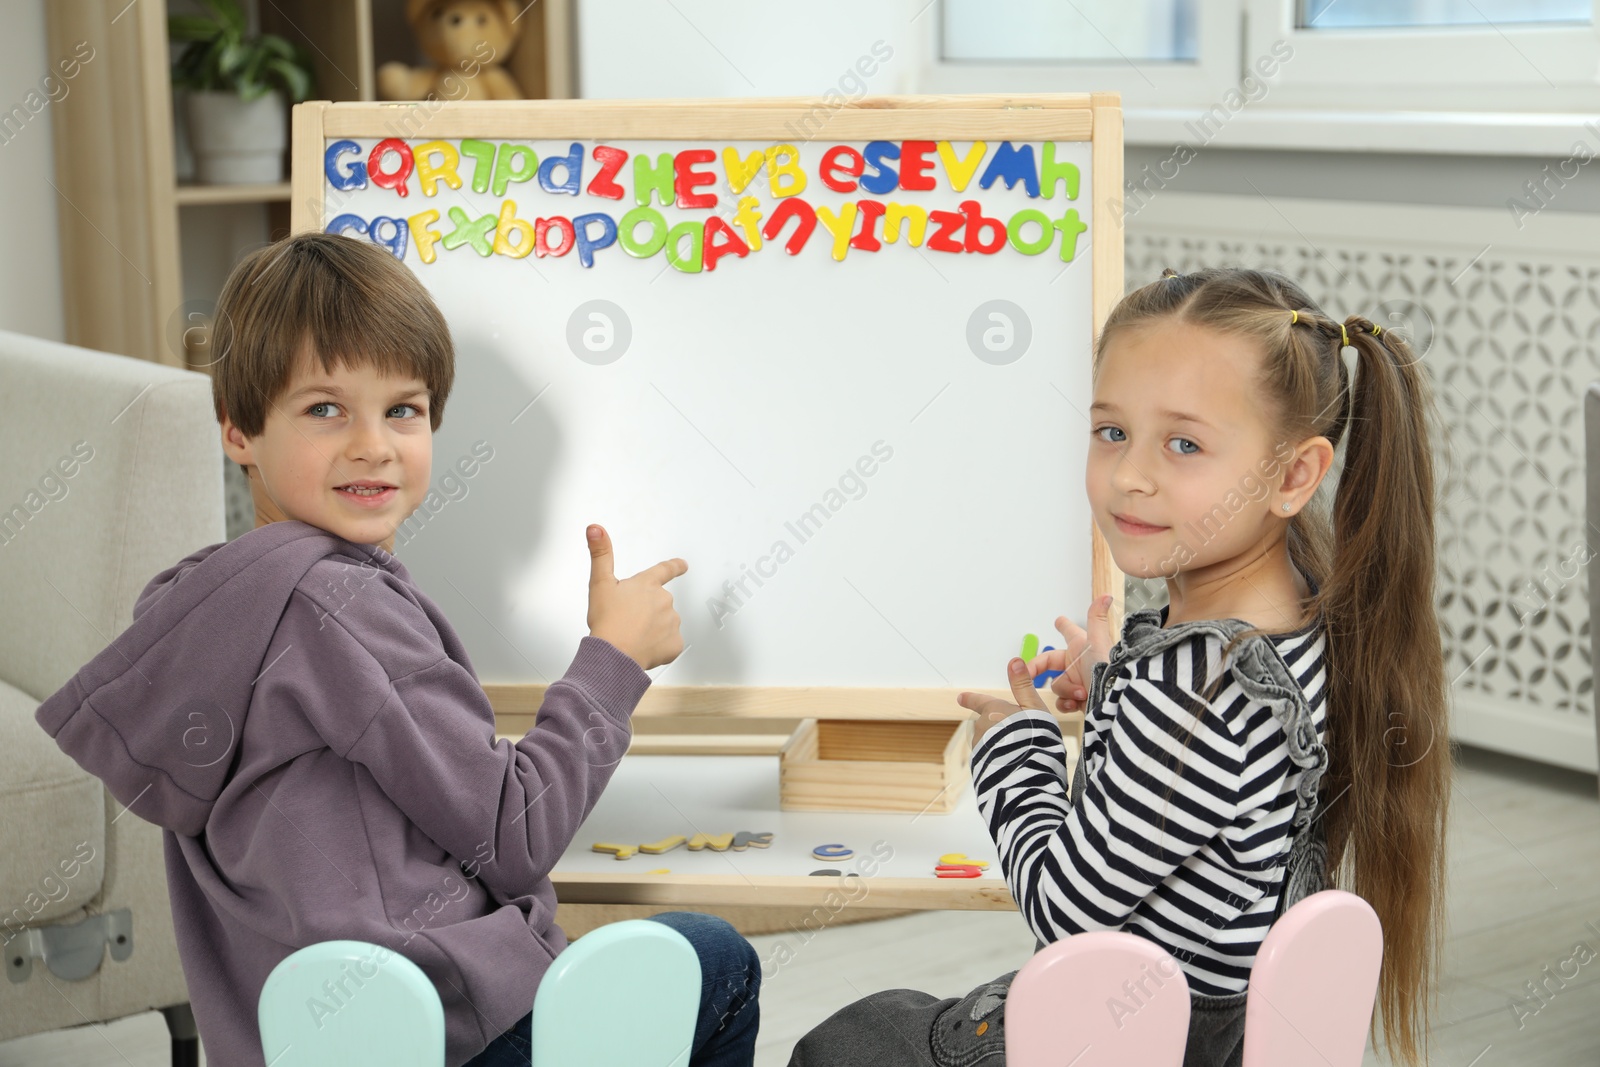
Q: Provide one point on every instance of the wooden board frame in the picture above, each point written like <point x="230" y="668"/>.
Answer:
<point x="1094" y="117"/>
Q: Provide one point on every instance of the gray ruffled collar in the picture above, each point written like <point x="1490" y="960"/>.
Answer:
<point x="1259" y="669"/>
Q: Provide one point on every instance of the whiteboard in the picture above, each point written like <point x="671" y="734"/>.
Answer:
<point x="848" y="452"/>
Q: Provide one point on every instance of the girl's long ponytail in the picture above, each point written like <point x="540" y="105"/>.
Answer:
<point x="1387" y="792"/>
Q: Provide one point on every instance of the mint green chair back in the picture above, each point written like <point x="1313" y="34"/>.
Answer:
<point x="624" y="995"/>
<point x="349" y="1003"/>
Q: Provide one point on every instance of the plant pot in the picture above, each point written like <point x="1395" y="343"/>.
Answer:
<point x="236" y="141"/>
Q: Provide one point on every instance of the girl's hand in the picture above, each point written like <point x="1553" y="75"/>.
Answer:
<point x="635" y="614"/>
<point x="1085" y="648"/>
<point x="992" y="709"/>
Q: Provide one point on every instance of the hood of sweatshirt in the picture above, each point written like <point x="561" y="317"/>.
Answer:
<point x="306" y="727"/>
<point x="156" y="714"/>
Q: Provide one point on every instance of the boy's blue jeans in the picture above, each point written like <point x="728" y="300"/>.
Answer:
<point x="730" y="981"/>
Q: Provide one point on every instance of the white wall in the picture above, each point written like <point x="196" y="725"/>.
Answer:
<point x="700" y="48"/>
<point x="30" y="268"/>
<point x="723" y="48"/>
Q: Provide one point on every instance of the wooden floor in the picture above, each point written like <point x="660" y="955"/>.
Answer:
<point x="1525" y="884"/>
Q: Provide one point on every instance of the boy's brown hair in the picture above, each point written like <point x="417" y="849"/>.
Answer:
<point x="353" y="302"/>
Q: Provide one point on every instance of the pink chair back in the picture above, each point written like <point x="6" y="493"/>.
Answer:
<point x="1100" y="999"/>
<point x="1313" y="984"/>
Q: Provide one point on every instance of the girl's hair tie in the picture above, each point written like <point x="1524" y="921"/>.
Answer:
<point x="1294" y="317"/>
<point x="1344" y="338"/>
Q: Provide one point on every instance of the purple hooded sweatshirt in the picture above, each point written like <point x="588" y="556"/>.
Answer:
<point x="305" y="726"/>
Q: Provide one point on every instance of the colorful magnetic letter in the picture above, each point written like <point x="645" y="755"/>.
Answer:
<point x="961" y="170"/>
<point x="1050" y="172"/>
<point x="948" y="224"/>
<point x="630" y="223"/>
<point x="345" y="223"/>
<point x="961" y="858"/>
<point x="839" y="225"/>
<point x="805" y="221"/>
<point x="666" y="844"/>
<point x="654" y="177"/>
<point x="622" y="851"/>
<point x="1045" y="676"/>
<point x="513" y="163"/>
<point x="429" y="172"/>
<point x="833" y="852"/>
<point x="883" y="179"/>
<point x="354" y="178"/>
<point x="977" y="224"/>
<point x="839" y="168"/>
<point x="715" y="842"/>
<point x="479" y="233"/>
<point x="746" y="218"/>
<point x="611" y="161"/>
<point x="721" y="239"/>
<point x="395" y="242"/>
<point x="685" y="178"/>
<point x="695" y="231"/>
<point x="423" y="236"/>
<point x="741" y="171"/>
<point x="744" y="839"/>
<point x="786" y="178"/>
<point x="1011" y="165"/>
<point x="541" y="236"/>
<point x="957" y="870"/>
<point x="914" y="162"/>
<point x="482" y="155"/>
<point x="1070" y="227"/>
<point x="572" y="163"/>
<point x="866" y="237"/>
<point x="589" y="244"/>
<point x="393" y="179"/>
<point x="510" y="224"/>
<point x="1047" y="233"/>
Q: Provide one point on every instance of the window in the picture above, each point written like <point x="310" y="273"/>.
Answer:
<point x="1369" y="14"/>
<point x="1052" y="31"/>
<point x="1431" y="55"/>
<point x="1516" y="76"/>
<point x="1156" y="53"/>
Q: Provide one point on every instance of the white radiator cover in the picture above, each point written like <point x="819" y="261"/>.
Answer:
<point x="1515" y="317"/>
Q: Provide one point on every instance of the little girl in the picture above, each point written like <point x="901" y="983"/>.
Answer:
<point x="1278" y="728"/>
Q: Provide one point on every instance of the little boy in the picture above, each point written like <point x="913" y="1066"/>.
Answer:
<point x="304" y="723"/>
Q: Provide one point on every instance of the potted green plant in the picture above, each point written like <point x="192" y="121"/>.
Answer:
<point x="237" y="85"/>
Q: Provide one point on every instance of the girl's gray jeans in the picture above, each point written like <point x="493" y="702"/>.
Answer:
<point x="908" y="1028"/>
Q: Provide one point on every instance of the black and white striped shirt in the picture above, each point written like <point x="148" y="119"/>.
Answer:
<point x="1206" y="886"/>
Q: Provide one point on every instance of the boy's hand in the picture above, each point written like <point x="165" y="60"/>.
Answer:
<point x="992" y="709"/>
<point x="1076" y="662"/>
<point x="636" y="613"/>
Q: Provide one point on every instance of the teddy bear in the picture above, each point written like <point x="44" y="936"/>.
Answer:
<point x="468" y="41"/>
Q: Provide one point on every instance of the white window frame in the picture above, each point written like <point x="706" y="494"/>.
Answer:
<point x="1382" y="90"/>
<point x="1142" y="83"/>
<point x="1493" y="68"/>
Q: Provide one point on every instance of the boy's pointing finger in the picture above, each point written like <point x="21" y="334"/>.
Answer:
<point x="665" y="571"/>
<point x="601" y="561"/>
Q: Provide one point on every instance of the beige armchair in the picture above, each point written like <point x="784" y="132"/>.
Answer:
<point x="110" y="471"/>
